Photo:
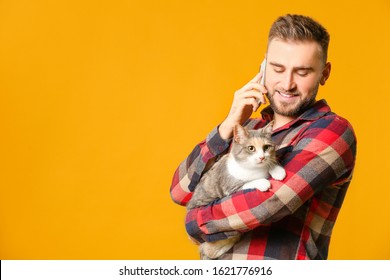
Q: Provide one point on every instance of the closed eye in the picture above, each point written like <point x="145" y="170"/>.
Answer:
<point x="303" y="73"/>
<point x="278" y="69"/>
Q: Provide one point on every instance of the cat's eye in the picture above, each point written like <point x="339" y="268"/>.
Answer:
<point x="251" y="149"/>
<point x="266" y="147"/>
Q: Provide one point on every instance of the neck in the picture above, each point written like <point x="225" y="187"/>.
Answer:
<point x="281" y="120"/>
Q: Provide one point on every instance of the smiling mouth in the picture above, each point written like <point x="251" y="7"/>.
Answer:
<point x="287" y="95"/>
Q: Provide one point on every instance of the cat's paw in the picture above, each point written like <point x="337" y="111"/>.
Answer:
<point x="278" y="173"/>
<point x="260" y="184"/>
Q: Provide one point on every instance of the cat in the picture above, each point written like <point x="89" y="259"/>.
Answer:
<point x="247" y="165"/>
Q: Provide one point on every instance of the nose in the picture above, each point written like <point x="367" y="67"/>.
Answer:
<point x="261" y="158"/>
<point x="287" y="82"/>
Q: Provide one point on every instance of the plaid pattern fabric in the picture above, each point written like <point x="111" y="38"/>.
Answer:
<point x="295" y="218"/>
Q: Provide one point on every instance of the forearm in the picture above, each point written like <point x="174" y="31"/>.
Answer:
<point x="189" y="172"/>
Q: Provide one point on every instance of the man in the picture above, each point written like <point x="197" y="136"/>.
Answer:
<point x="295" y="218"/>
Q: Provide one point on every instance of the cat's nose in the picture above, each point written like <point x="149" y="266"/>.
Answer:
<point x="261" y="158"/>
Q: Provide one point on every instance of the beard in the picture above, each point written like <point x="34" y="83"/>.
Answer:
<point x="292" y="109"/>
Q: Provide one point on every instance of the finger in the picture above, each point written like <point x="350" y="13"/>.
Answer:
<point x="261" y="100"/>
<point x="263" y="89"/>
<point x="254" y="102"/>
<point x="250" y="102"/>
<point x="257" y="94"/>
<point x="260" y="87"/>
<point x="256" y="105"/>
<point x="256" y="79"/>
<point x="250" y="93"/>
<point x="254" y="86"/>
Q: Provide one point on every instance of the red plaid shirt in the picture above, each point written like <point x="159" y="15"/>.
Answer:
<point x="295" y="218"/>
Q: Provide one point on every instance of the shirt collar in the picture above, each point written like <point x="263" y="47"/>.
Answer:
<point x="316" y="111"/>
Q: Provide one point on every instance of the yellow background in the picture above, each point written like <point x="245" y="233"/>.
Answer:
<point x="101" y="100"/>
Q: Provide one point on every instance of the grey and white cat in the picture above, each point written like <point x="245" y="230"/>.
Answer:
<point x="248" y="165"/>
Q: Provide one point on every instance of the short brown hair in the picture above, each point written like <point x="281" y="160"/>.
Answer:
<point x="300" y="28"/>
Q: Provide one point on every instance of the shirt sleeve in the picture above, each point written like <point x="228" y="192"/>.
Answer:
<point x="189" y="172"/>
<point x="323" y="155"/>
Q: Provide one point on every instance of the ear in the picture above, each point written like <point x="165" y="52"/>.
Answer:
<point x="325" y="73"/>
<point x="240" y="134"/>
<point x="268" y="128"/>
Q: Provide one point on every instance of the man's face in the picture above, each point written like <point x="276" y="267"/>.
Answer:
<point x="294" y="72"/>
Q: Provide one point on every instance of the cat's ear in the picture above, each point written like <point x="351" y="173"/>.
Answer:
<point x="268" y="128"/>
<point x="240" y="134"/>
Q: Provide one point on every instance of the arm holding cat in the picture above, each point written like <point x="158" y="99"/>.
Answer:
<point x="322" y="157"/>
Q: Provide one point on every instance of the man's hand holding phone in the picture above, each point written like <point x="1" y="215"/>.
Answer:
<point x="246" y="101"/>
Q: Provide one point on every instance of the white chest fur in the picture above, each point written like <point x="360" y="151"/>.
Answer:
<point x="245" y="174"/>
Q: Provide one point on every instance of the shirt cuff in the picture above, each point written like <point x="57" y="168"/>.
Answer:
<point x="192" y="227"/>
